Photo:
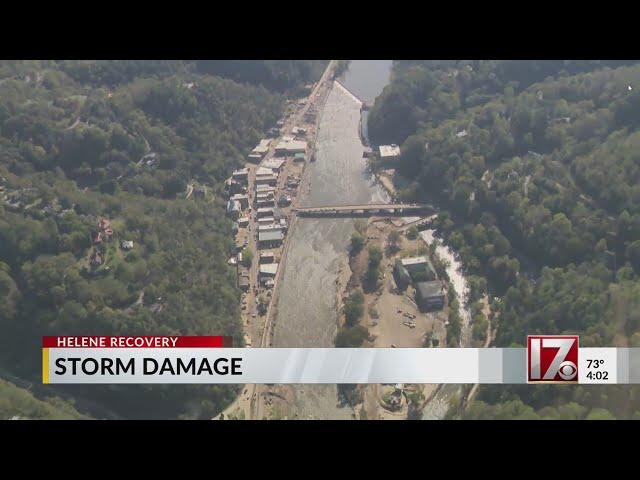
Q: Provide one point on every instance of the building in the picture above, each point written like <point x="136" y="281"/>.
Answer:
<point x="264" y="195"/>
<point x="243" y="283"/>
<point x="234" y="187"/>
<point x="292" y="182"/>
<point x="127" y="244"/>
<point x="271" y="180"/>
<point x="299" y="157"/>
<point x="284" y="201"/>
<point x="267" y="271"/>
<point x="265" y="189"/>
<point x="275" y="164"/>
<point x="412" y="264"/>
<point x="291" y="147"/>
<point x="243" y="222"/>
<point x="389" y="152"/>
<point x="430" y="295"/>
<point x="265" y="201"/>
<point x="242" y="199"/>
<point x="401" y="276"/>
<point x="265" y="221"/>
<point x="270" y="239"/>
<point x="262" y="171"/>
<point x="265" y="212"/>
<point x="419" y="268"/>
<point x="269" y="227"/>
<point x="241" y="175"/>
<point x="268" y="179"/>
<point x="262" y="148"/>
<point x="267" y="257"/>
<point x="254" y="157"/>
<point x="299" y="131"/>
<point x="233" y="209"/>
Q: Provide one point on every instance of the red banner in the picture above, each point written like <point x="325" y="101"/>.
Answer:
<point x="142" y="341"/>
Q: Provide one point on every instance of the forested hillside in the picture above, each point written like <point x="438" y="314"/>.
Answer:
<point x="94" y="154"/>
<point x="19" y="404"/>
<point x="536" y="166"/>
<point x="277" y="75"/>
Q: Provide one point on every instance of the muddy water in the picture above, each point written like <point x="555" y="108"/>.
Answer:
<point x="307" y="303"/>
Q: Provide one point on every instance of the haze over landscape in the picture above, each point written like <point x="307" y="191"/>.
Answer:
<point x="311" y="203"/>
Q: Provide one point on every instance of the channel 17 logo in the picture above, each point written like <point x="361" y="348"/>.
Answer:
<point x="552" y="358"/>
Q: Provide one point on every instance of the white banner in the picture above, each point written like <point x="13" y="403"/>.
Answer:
<point x="316" y="365"/>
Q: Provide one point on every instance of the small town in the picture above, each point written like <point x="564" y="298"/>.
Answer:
<point x="406" y="307"/>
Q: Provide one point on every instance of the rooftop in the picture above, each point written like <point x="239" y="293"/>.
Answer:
<point x="269" y="268"/>
<point x="429" y="289"/>
<point x="413" y="261"/>
<point x="241" y="171"/>
<point x="264" y="171"/>
<point x="263" y="146"/>
<point x="273" y="163"/>
<point x="387" y="151"/>
<point x="268" y="227"/>
<point x="270" y="235"/>
<point x="292" y="145"/>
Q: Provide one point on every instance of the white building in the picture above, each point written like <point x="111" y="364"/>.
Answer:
<point x="262" y="148"/>
<point x="275" y="164"/>
<point x="291" y="147"/>
<point x="268" y="270"/>
<point x="262" y="170"/>
<point x="389" y="152"/>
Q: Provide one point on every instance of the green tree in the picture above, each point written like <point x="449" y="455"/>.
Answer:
<point x="247" y="257"/>
<point x="412" y="233"/>
<point x="357" y="242"/>
<point x="393" y="239"/>
<point x="354" y="308"/>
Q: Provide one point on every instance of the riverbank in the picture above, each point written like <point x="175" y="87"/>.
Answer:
<point x="390" y="316"/>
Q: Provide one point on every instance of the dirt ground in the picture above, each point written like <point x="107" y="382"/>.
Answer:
<point x="389" y="307"/>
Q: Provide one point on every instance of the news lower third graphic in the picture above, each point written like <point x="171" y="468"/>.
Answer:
<point x="213" y="360"/>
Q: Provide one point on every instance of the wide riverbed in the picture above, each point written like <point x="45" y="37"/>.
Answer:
<point x="317" y="255"/>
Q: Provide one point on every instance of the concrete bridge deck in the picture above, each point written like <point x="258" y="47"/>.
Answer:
<point x="381" y="210"/>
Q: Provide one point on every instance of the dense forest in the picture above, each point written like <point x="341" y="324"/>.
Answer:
<point x="536" y="168"/>
<point x="98" y="231"/>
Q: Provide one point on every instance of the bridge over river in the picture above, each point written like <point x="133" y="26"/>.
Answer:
<point x="378" y="210"/>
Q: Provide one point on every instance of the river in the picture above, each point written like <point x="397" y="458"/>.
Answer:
<point x="317" y="254"/>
